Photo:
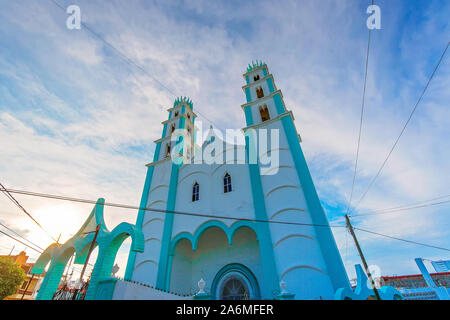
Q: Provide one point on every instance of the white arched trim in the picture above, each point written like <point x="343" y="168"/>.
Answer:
<point x="272" y="150"/>
<point x="192" y="173"/>
<point x="296" y="235"/>
<point x="151" y="220"/>
<point x="264" y="172"/>
<point x="281" y="187"/>
<point x="156" y="202"/>
<point x="300" y="267"/>
<point x="284" y="210"/>
<point x="144" y="262"/>
<point x="157" y="187"/>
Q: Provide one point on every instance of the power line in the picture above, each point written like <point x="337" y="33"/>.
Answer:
<point x="35" y="194"/>
<point x="122" y="55"/>
<point x="10" y="197"/>
<point x="400" y="239"/>
<point x="398" y="209"/>
<point x="405" y="205"/>
<point x="403" y="129"/>
<point x="128" y="60"/>
<point x="20" y="241"/>
<point x="360" y="121"/>
<point x="124" y="206"/>
<point x="39" y="251"/>
<point x="19" y="235"/>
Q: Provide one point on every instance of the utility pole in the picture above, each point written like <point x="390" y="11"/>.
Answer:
<point x="87" y="260"/>
<point x="352" y="232"/>
<point x="11" y="250"/>
<point x="28" y="284"/>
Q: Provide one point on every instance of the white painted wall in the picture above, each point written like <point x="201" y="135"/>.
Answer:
<point x="146" y="265"/>
<point x="297" y="253"/>
<point x="212" y="200"/>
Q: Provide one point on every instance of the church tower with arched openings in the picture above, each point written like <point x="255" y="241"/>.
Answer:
<point x="242" y="226"/>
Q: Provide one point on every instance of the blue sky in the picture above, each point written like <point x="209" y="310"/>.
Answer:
<point x="75" y="119"/>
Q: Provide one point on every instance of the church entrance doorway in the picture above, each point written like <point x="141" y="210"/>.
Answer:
<point x="235" y="282"/>
<point x="234" y="287"/>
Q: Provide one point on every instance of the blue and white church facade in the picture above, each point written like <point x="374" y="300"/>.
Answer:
<point x="236" y="217"/>
<point x="253" y="226"/>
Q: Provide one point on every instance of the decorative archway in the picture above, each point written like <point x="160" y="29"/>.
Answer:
<point x="363" y="292"/>
<point x="45" y="258"/>
<point x="229" y="231"/>
<point x="55" y="271"/>
<point x="107" y="242"/>
<point x="210" y="247"/>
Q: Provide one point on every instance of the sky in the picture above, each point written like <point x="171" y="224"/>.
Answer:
<point x="76" y="119"/>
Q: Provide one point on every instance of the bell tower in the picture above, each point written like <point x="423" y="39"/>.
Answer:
<point x="306" y="256"/>
<point x="159" y="193"/>
<point x="181" y="120"/>
<point x="264" y="101"/>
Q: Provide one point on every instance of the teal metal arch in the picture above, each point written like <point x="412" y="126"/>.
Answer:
<point x="45" y="258"/>
<point x="363" y="292"/>
<point x="107" y="242"/>
<point x="83" y="248"/>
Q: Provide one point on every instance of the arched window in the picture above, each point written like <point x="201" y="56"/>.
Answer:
<point x="195" y="192"/>
<point x="227" y="183"/>
<point x="168" y="149"/>
<point x="172" y="128"/>
<point x="176" y="113"/>
<point x="259" y="92"/>
<point x="256" y="78"/>
<point x="189" y="116"/>
<point x="235" y="288"/>
<point x="264" y="112"/>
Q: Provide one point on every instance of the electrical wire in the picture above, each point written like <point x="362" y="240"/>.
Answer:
<point x="402" y="206"/>
<point x="403" y="129"/>
<point x="124" y="206"/>
<point x="400" y="239"/>
<point x="360" y="121"/>
<point x="127" y="59"/>
<point x="10" y="197"/>
<point x="210" y="216"/>
<point x="20" y="241"/>
<point x="401" y="209"/>
<point x="19" y="235"/>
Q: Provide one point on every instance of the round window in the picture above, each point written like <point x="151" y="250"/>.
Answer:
<point x="234" y="286"/>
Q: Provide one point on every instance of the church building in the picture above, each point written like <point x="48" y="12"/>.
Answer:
<point x="241" y="227"/>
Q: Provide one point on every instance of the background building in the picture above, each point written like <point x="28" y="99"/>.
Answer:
<point x="424" y="286"/>
<point x="414" y="287"/>
<point x="27" y="291"/>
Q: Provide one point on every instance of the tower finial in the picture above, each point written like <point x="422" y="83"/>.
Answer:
<point x="254" y="65"/>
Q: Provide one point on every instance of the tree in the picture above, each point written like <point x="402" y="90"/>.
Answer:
<point x="11" y="276"/>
